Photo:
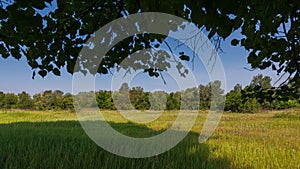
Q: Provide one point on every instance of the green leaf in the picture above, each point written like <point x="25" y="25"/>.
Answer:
<point x="16" y="53"/>
<point x="39" y="4"/>
<point x="49" y="1"/>
<point x="75" y="26"/>
<point x="36" y="21"/>
<point x="237" y="23"/>
<point x="3" y="14"/>
<point x="264" y="65"/>
<point x="273" y="67"/>
<point x="251" y="58"/>
<point x="71" y="66"/>
<point x="211" y="33"/>
<point x="3" y="51"/>
<point x="234" y="42"/>
<point x="184" y="57"/>
<point x="270" y="92"/>
<point x="33" y="64"/>
<point x="151" y="72"/>
<point x="43" y="73"/>
<point x="102" y="70"/>
<point x="56" y="72"/>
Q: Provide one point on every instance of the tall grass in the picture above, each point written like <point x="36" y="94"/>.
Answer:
<point x="56" y="140"/>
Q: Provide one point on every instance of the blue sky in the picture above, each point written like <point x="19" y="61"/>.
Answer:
<point x="16" y="75"/>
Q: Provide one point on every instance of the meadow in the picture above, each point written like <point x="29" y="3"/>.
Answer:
<point x="49" y="139"/>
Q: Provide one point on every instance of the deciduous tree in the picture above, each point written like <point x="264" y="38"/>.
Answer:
<point x="51" y="38"/>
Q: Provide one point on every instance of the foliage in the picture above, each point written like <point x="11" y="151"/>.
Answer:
<point x="51" y="38"/>
<point x="105" y="100"/>
<point x="158" y="100"/>
<point x="2" y="95"/>
<point x="87" y="99"/>
<point x="24" y="101"/>
<point x="259" y="95"/>
<point x="139" y="99"/>
<point x="56" y="100"/>
<point x="251" y="98"/>
<point x="250" y="105"/>
<point x="10" y="101"/>
<point x="260" y="80"/>
<point x="190" y="98"/>
<point x="67" y="102"/>
<point x="173" y="101"/>
<point x="234" y="101"/>
<point x="205" y="93"/>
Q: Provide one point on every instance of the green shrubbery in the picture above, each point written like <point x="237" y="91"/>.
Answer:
<point x="260" y="95"/>
<point x="257" y="96"/>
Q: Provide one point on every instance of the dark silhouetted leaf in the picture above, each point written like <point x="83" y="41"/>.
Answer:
<point x="102" y="70"/>
<point x="3" y="51"/>
<point x="39" y="4"/>
<point x="234" y="42"/>
<point x="3" y="14"/>
<point x="43" y="73"/>
<point x="56" y="72"/>
<point x="16" y="53"/>
<point x="184" y="57"/>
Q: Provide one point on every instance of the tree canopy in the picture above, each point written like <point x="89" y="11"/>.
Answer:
<point x="251" y="98"/>
<point x="51" y="38"/>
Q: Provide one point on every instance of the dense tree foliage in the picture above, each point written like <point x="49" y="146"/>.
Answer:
<point x="53" y="100"/>
<point x="105" y="100"/>
<point x="51" y="38"/>
<point x="234" y="99"/>
<point x="10" y="101"/>
<point x="139" y="99"/>
<point x="251" y="98"/>
<point x="259" y="95"/>
<point x="25" y="101"/>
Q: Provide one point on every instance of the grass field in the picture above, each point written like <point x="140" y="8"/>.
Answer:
<point x="56" y="140"/>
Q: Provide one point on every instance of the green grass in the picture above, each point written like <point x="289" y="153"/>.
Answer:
<point x="292" y="114"/>
<point x="56" y="140"/>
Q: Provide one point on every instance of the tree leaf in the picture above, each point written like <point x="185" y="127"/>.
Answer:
<point x="212" y="33"/>
<point x="39" y="4"/>
<point x="184" y="57"/>
<point x="16" y="53"/>
<point x="3" y="14"/>
<point x="3" y="51"/>
<point x="234" y="42"/>
<point x="274" y="67"/>
<point x="33" y="64"/>
<point x="102" y="70"/>
<point x="56" y="72"/>
<point x="43" y="73"/>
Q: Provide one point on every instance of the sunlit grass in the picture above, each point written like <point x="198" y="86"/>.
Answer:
<point x="12" y="116"/>
<point x="32" y="139"/>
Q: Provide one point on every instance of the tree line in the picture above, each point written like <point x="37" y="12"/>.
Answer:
<point x="258" y="95"/>
<point x="47" y="100"/>
<point x="261" y="95"/>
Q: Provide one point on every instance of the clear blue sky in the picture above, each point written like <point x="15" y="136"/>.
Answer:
<point x="16" y="75"/>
